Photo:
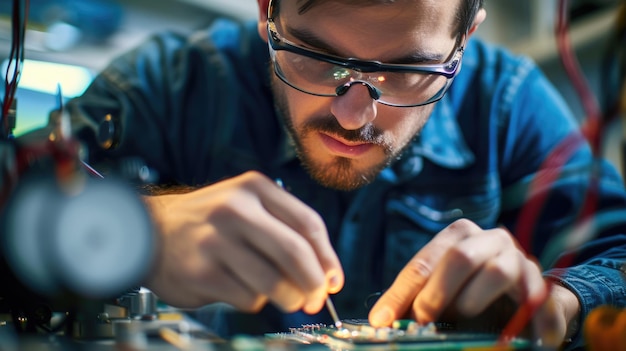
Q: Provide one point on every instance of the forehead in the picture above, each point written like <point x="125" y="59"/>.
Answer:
<point x="370" y="29"/>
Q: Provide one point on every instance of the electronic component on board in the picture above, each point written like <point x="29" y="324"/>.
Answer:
<point x="403" y="335"/>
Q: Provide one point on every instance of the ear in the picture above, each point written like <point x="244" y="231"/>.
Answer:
<point x="262" y="24"/>
<point x="481" y="15"/>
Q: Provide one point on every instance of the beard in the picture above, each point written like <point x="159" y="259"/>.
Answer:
<point x="339" y="173"/>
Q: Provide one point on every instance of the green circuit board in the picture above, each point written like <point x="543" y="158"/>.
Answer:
<point x="403" y="335"/>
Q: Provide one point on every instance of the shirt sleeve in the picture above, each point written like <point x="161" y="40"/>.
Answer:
<point x="159" y="103"/>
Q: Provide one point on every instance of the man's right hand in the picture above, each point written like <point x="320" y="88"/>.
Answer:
<point x="243" y="241"/>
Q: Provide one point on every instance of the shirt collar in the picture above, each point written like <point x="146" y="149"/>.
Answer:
<point x="442" y="141"/>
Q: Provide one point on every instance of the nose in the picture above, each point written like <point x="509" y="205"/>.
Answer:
<point x="355" y="106"/>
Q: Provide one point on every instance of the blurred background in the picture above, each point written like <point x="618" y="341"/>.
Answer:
<point x="68" y="41"/>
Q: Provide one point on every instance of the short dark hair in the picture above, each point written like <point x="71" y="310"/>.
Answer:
<point x="465" y="14"/>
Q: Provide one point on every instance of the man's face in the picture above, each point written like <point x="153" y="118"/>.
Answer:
<point x="345" y="141"/>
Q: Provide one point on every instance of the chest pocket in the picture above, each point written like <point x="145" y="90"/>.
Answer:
<point x="416" y="212"/>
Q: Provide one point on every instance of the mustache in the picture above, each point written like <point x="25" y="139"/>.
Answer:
<point x="329" y="125"/>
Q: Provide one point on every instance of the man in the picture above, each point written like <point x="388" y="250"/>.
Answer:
<point x="408" y="151"/>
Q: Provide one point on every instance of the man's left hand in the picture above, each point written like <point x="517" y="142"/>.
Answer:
<point x="462" y="272"/>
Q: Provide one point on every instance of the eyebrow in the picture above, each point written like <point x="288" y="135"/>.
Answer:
<point x="416" y="57"/>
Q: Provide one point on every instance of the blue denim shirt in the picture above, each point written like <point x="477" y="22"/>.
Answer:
<point x="198" y="109"/>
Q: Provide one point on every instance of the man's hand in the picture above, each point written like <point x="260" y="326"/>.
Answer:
<point x="463" y="272"/>
<point x="243" y="241"/>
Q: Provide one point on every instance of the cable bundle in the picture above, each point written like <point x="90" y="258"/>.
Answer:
<point x="14" y="67"/>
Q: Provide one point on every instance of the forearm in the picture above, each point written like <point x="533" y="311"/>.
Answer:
<point x="155" y="189"/>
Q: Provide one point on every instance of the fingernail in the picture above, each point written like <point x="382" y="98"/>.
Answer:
<point x="334" y="282"/>
<point x="382" y="317"/>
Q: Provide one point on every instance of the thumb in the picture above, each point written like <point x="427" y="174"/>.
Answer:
<point x="397" y="300"/>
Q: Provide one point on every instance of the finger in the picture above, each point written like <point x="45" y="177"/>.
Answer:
<point x="527" y="310"/>
<point x="456" y="269"/>
<point x="496" y="277"/>
<point x="514" y="265"/>
<point x="287" y="251"/>
<point x="397" y="300"/>
<point x="304" y="220"/>
<point x="197" y="287"/>
<point x="260" y="275"/>
<point x="295" y="258"/>
<point x="393" y="304"/>
<point x="232" y="291"/>
<point x="536" y="288"/>
<point x="530" y="295"/>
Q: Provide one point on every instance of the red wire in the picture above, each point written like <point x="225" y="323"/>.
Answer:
<point x="593" y="122"/>
<point x="591" y="131"/>
<point x="592" y="125"/>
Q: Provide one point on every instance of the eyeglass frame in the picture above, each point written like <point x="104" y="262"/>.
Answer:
<point x="449" y="69"/>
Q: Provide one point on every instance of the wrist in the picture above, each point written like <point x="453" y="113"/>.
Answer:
<point x="570" y="308"/>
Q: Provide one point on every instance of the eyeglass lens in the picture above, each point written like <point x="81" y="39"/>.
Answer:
<point x="323" y="78"/>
